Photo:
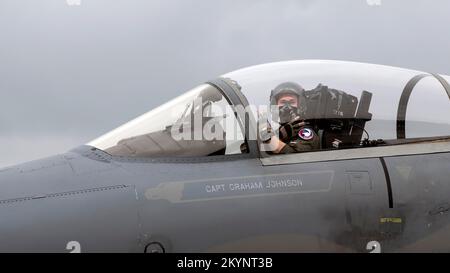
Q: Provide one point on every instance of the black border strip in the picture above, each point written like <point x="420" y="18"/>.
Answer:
<point x="388" y="182"/>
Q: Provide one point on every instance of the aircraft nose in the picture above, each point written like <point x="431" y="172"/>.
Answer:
<point x="74" y="170"/>
<point x="33" y="178"/>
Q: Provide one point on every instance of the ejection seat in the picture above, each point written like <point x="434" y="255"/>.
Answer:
<point x="337" y="116"/>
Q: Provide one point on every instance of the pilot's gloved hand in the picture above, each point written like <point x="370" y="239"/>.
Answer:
<point x="290" y="129"/>
<point x="265" y="129"/>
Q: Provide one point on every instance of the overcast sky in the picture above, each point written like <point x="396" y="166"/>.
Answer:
<point x="68" y="74"/>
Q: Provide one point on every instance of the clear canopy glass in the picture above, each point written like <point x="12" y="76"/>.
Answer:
<point x="428" y="111"/>
<point x="202" y="122"/>
<point x="198" y="123"/>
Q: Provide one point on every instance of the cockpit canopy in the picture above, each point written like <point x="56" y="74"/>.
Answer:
<point x="190" y="125"/>
<point x="345" y="101"/>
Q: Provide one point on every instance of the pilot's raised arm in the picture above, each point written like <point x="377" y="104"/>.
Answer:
<point x="294" y="135"/>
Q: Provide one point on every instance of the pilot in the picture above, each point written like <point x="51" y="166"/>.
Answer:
<point x="294" y="135"/>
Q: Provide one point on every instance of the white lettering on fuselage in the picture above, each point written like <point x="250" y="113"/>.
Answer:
<point x="245" y="186"/>
<point x="254" y="186"/>
<point x="284" y="183"/>
<point x="214" y="188"/>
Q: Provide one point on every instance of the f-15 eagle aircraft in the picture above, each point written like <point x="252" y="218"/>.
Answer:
<point x="195" y="175"/>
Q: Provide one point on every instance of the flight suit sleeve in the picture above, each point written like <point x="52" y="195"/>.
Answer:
<point x="299" y="145"/>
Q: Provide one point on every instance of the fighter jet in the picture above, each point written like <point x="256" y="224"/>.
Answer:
<point x="196" y="175"/>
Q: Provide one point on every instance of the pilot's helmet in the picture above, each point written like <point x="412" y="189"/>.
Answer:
<point x="287" y="88"/>
<point x="288" y="112"/>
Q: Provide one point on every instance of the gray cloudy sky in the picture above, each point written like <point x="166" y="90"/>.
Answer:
<point x="68" y="74"/>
